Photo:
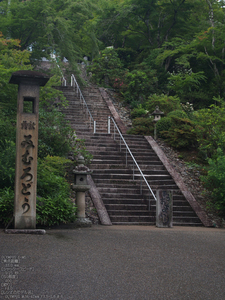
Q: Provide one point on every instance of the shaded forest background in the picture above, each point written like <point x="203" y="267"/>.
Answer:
<point x="168" y="53"/>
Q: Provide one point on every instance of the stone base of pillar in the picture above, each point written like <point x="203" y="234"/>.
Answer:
<point x="83" y="222"/>
<point x="22" y="222"/>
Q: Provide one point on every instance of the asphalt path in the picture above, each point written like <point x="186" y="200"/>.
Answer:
<point x="114" y="262"/>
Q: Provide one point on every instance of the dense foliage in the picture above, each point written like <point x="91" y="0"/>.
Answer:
<point x="215" y="181"/>
<point x="53" y="192"/>
<point x="54" y="205"/>
<point x="56" y="138"/>
<point x="169" y="53"/>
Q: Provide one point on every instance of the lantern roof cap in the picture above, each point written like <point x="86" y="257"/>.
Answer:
<point x="34" y="77"/>
<point x="81" y="168"/>
<point x="157" y="111"/>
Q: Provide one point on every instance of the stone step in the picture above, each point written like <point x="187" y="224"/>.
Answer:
<point x="129" y="183"/>
<point x="130" y="219"/>
<point x="118" y="207"/>
<point x="176" y="209"/>
<point x="130" y="212"/>
<point x="112" y="187"/>
<point x="110" y="200"/>
<point x="113" y="178"/>
<point x="135" y="223"/>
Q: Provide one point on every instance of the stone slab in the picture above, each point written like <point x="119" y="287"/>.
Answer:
<point x="164" y="209"/>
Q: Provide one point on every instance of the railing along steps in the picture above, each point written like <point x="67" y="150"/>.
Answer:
<point x="120" y="194"/>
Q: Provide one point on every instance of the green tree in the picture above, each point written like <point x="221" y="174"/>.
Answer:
<point x="139" y="84"/>
<point x="47" y="27"/>
<point x="197" y="63"/>
<point x="209" y="129"/>
<point x="143" y="24"/>
<point x="164" y="102"/>
<point x="12" y="59"/>
<point x="214" y="181"/>
<point x="107" y="69"/>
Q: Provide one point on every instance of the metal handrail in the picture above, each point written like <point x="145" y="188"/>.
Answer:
<point x="134" y="160"/>
<point x="82" y="100"/>
<point x="63" y="81"/>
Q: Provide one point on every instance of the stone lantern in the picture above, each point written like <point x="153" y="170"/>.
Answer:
<point x="157" y="116"/>
<point x="80" y="187"/>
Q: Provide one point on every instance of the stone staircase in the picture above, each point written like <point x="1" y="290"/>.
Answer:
<point x="114" y="180"/>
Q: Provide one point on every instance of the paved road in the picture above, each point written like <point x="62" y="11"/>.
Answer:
<point x="117" y="262"/>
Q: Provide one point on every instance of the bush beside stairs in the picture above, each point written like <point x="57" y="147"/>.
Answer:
<point x="121" y="195"/>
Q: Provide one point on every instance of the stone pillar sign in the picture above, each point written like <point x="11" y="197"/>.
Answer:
<point x="164" y="208"/>
<point x="26" y="147"/>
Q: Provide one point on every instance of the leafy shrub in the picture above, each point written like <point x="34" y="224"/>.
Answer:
<point x="53" y="202"/>
<point x="177" y="113"/>
<point x="6" y="205"/>
<point x="180" y="134"/>
<point x="50" y="96"/>
<point x="138" y="112"/>
<point x="209" y="129"/>
<point x="215" y="181"/>
<point x="7" y="128"/>
<point x="7" y="148"/>
<point x="55" y="210"/>
<point x="138" y="85"/>
<point x="51" y="177"/>
<point x="7" y="164"/>
<point x="188" y="109"/>
<point x="164" y="102"/>
<point x="12" y="59"/>
<point x="126" y="55"/>
<point x="186" y="83"/>
<point x="50" y="210"/>
<point x="106" y="68"/>
<point x="162" y="125"/>
<point x="54" y="134"/>
<point x="142" y="126"/>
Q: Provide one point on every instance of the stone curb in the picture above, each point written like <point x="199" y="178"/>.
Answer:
<point x="99" y="205"/>
<point x="25" y="231"/>
<point x="179" y="182"/>
<point x="113" y="111"/>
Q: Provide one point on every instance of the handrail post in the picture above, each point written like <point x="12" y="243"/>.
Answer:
<point x="94" y="127"/>
<point x="141" y="186"/>
<point x="126" y="157"/>
<point x="108" y="124"/>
